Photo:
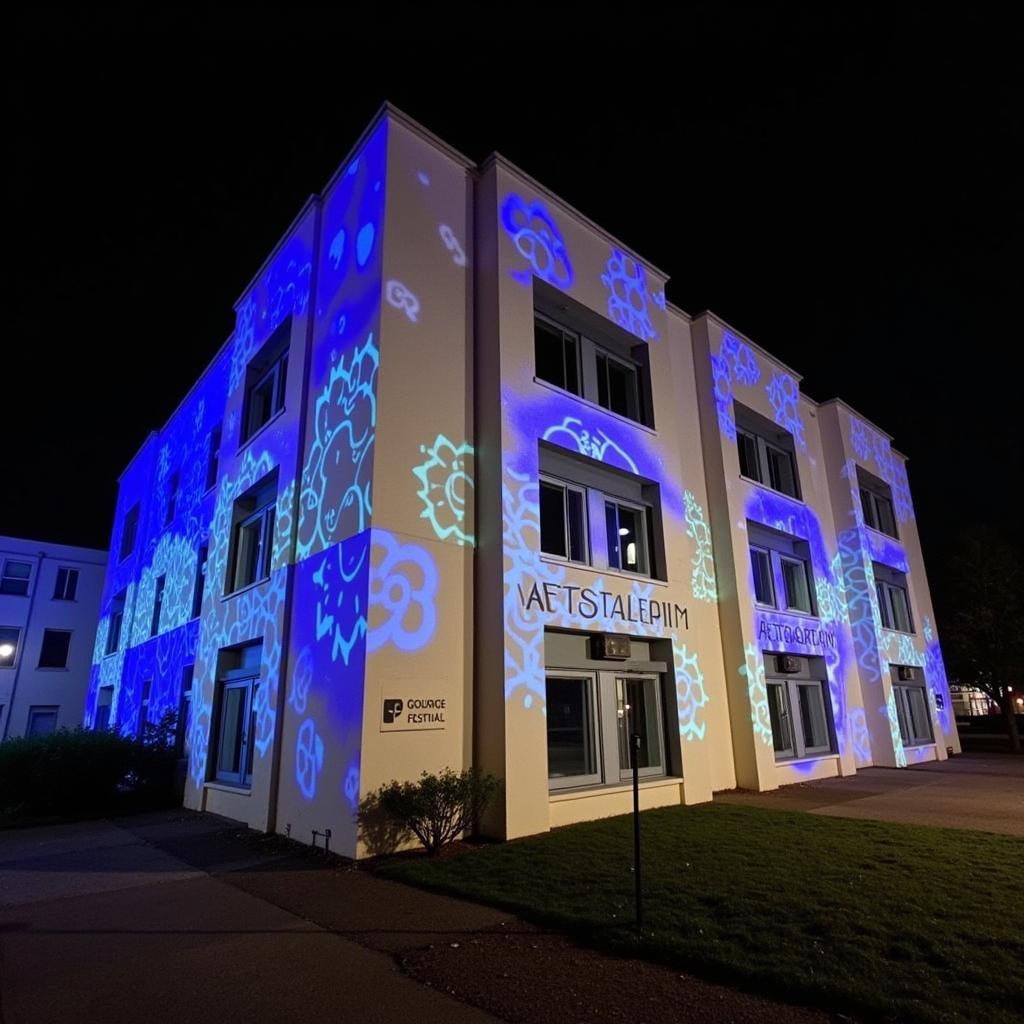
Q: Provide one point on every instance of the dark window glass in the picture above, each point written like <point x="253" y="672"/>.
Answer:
<point x="116" y="619"/>
<point x="128" y="531"/>
<point x="552" y="519"/>
<point x="637" y="714"/>
<point x="813" y="722"/>
<point x="66" y="586"/>
<point x="556" y="355"/>
<point x="15" y="578"/>
<point x="172" y="497"/>
<point x="42" y="721"/>
<point x="104" y="700"/>
<point x="617" y="387"/>
<point x="200" y="584"/>
<point x="886" y="520"/>
<point x="750" y="467"/>
<point x="778" y="712"/>
<point x="780" y="471"/>
<point x="158" y="600"/>
<point x="268" y="377"/>
<point x="576" y="518"/>
<point x="236" y="732"/>
<point x="761" y="564"/>
<point x="253" y="536"/>
<point x="570" y="725"/>
<point x="798" y="591"/>
<point x="868" y="507"/>
<point x="626" y="538"/>
<point x="54" y="651"/>
<point x="213" y="462"/>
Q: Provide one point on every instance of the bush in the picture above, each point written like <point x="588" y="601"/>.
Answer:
<point x="436" y="809"/>
<point x="79" y="773"/>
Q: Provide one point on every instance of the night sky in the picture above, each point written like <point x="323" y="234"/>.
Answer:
<point x="842" y="188"/>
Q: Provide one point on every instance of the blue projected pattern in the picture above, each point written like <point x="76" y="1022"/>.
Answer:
<point x="691" y="696"/>
<point x="538" y="240"/>
<point x="626" y="282"/>
<point x="757" y="693"/>
<point x="702" y="579"/>
<point x="784" y="395"/>
<point x="735" y="364"/>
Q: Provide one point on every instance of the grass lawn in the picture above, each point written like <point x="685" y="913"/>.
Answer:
<point x="896" y="922"/>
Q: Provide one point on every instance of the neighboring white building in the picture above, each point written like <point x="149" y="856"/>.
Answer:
<point x="49" y="606"/>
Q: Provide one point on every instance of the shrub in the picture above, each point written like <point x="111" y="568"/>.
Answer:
<point x="77" y="773"/>
<point x="436" y="809"/>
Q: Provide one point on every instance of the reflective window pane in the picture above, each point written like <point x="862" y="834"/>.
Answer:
<point x="778" y="712"/>
<point x="576" y="516"/>
<point x="760" y="562"/>
<point x="780" y="471"/>
<point x="570" y="728"/>
<point x="229" y="750"/>
<point x="812" y="717"/>
<point x="798" y="593"/>
<point x="749" y="465"/>
<point x="637" y="714"/>
<point x="552" y="519"/>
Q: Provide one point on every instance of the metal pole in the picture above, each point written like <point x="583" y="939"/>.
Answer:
<point x="634" y="742"/>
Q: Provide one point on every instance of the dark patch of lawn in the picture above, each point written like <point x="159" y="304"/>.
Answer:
<point x="886" y="921"/>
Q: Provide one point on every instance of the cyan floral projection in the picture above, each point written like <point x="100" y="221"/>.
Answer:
<point x="702" y="579"/>
<point x="691" y="696"/>
<point x="626" y="282"/>
<point x="890" y="714"/>
<point x="735" y="364"/>
<point x="784" y="395"/>
<point x="539" y="241"/>
<point x="752" y="670"/>
<point x="446" y="480"/>
<point x="403" y="594"/>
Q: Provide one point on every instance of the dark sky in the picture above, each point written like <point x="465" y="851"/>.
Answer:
<point x="843" y="188"/>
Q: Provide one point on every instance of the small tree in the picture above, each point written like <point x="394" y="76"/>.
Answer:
<point x="984" y="629"/>
<point x="437" y="809"/>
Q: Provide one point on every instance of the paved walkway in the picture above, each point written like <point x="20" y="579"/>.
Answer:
<point x="183" y="917"/>
<point x="979" y="791"/>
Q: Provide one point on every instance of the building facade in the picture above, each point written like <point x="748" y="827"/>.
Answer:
<point x="49" y="606"/>
<point x="463" y="488"/>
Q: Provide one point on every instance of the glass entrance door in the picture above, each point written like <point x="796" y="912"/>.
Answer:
<point x="638" y="710"/>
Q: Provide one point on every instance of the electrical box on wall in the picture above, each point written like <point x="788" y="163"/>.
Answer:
<point x="609" y="647"/>
<point x="906" y="673"/>
<point x="787" y="664"/>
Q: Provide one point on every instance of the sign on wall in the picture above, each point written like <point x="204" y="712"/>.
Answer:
<point x="414" y="705"/>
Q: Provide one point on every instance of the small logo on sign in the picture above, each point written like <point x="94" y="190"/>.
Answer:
<point x="392" y="710"/>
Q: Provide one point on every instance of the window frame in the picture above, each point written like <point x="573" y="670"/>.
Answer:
<point x="199" y="584"/>
<point x="767" y="552"/>
<point x="263" y="496"/>
<point x="565" y="486"/>
<point x="39" y="710"/>
<point x="61" y="593"/>
<point x="213" y="458"/>
<point x="100" y="705"/>
<point x="129" y="532"/>
<point x="777" y="580"/>
<point x="799" y="749"/>
<point x="643" y="534"/>
<point x="17" y="631"/>
<point x="764" y="466"/>
<point x="158" y="604"/>
<point x="242" y="777"/>
<point x="5" y="588"/>
<point x="905" y="714"/>
<point x="886" y="590"/>
<point x="276" y="372"/>
<point x="871" y="503"/>
<point x="592" y="688"/>
<point x="802" y="564"/>
<point x="600" y="352"/>
<point x="67" y="651"/>
<point x="564" y="331"/>
<point x="626" y="772"/>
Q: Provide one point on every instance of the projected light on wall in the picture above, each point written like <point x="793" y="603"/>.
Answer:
<point x="626" y="282"/>
<point x="537" y="238"/>
<point x="446" y="481"/>
<point x="691" y="696"/>
<point x="702" y="578"/>
<point x="757" y="693"/>
<point x="403" y="593"/>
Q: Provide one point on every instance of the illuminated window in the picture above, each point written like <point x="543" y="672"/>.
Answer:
<point x="766" y="454"/>
<point x="129" y="529"/>
<point x="104" y="700"/>
<point x="200" y="584"/>
<point x="172" y="497"/>
<point x="627" y="537"/>
<point x="912" y="714"/>
<point x="53" y="653"/>
<point x="10" y="639"/>
<point x="66" y="586"/>
<point x="236" y="715"/>
<point x="557" y="354"/>
<point x="15" y="577"/>
<point x="591" y="718"/>
<point x="158" y="600"/>
<point x="893" y="599"/>
<point x="618" y="386"/>
<point x="213" y="459"/>
<point x="800" y="719"/>
<point x="253" y="535"/>
<point x="780" y="567"/>
<point x="116" y="621"/>
<point x="563" y="520"/>
<point x="42" y="720"/>
<point x="266" y="380"/>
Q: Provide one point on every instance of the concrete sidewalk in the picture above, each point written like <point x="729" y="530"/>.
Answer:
<point x="977" y="791"/>
<point x="99" y="923"/>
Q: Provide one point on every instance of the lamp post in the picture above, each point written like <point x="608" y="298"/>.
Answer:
<point x="634" y="744"/>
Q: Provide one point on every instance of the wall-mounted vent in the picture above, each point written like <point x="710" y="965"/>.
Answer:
<point x="609" y="647"/>
<point x="906" y="673"/>
<point x="787" y="664"/>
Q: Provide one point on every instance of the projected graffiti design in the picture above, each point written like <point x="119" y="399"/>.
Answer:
<point x="784" y="396"/>
<point x="403" y="589"/>
<point x="309" y="758"/>
<point x="757" y="692"/>
<point x="446" y="481"/>
<point x="538" y="240"/>
<point x="626" y="281"/>
<point x="702" y="578"/>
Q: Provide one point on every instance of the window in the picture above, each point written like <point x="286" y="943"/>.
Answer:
<point x="236" y="716"/>
<point x="591" y="719"/>
<point x="66" y="586"/>
<point x="572" y="730"/>
<point x="266" y="379"/>
<point x="557" y="354"/>
<point x="104" y="700"/>
<point x="42" y="720"/>
<point x="213" y="460"/>
<point x="147" y="689"/>
<point x="912" y="714"/>
<point x="893" y="600"/>
<point x="15" y="577"/>
<point x="627" y="537"/>
<point x="200" y="584"/>
<point x="591" y="358"/>
<point x="801" y="726"/>
<point x="618" y="386"/>
<point x="563" y="520"/>
<point x="10" y="638"/>
<point x="172" y="497"/>
<point x="158" y="600"/>
<point x="766" y="453"/>
<point x="116" y="621"/>
<point x="798" y="591"/>
<point x="54" y="650"/>
<point x="129" y="529"/>
<point x="876" y="503"/>
<point x="764" y="589"/>
<point x="780" y="569"/>
<point x="253" y="535"/>
<point x="184" y="723"/>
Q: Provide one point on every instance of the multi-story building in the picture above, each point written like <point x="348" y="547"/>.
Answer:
<point x="49" y="606"/>
<point x="463" y="488"/>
